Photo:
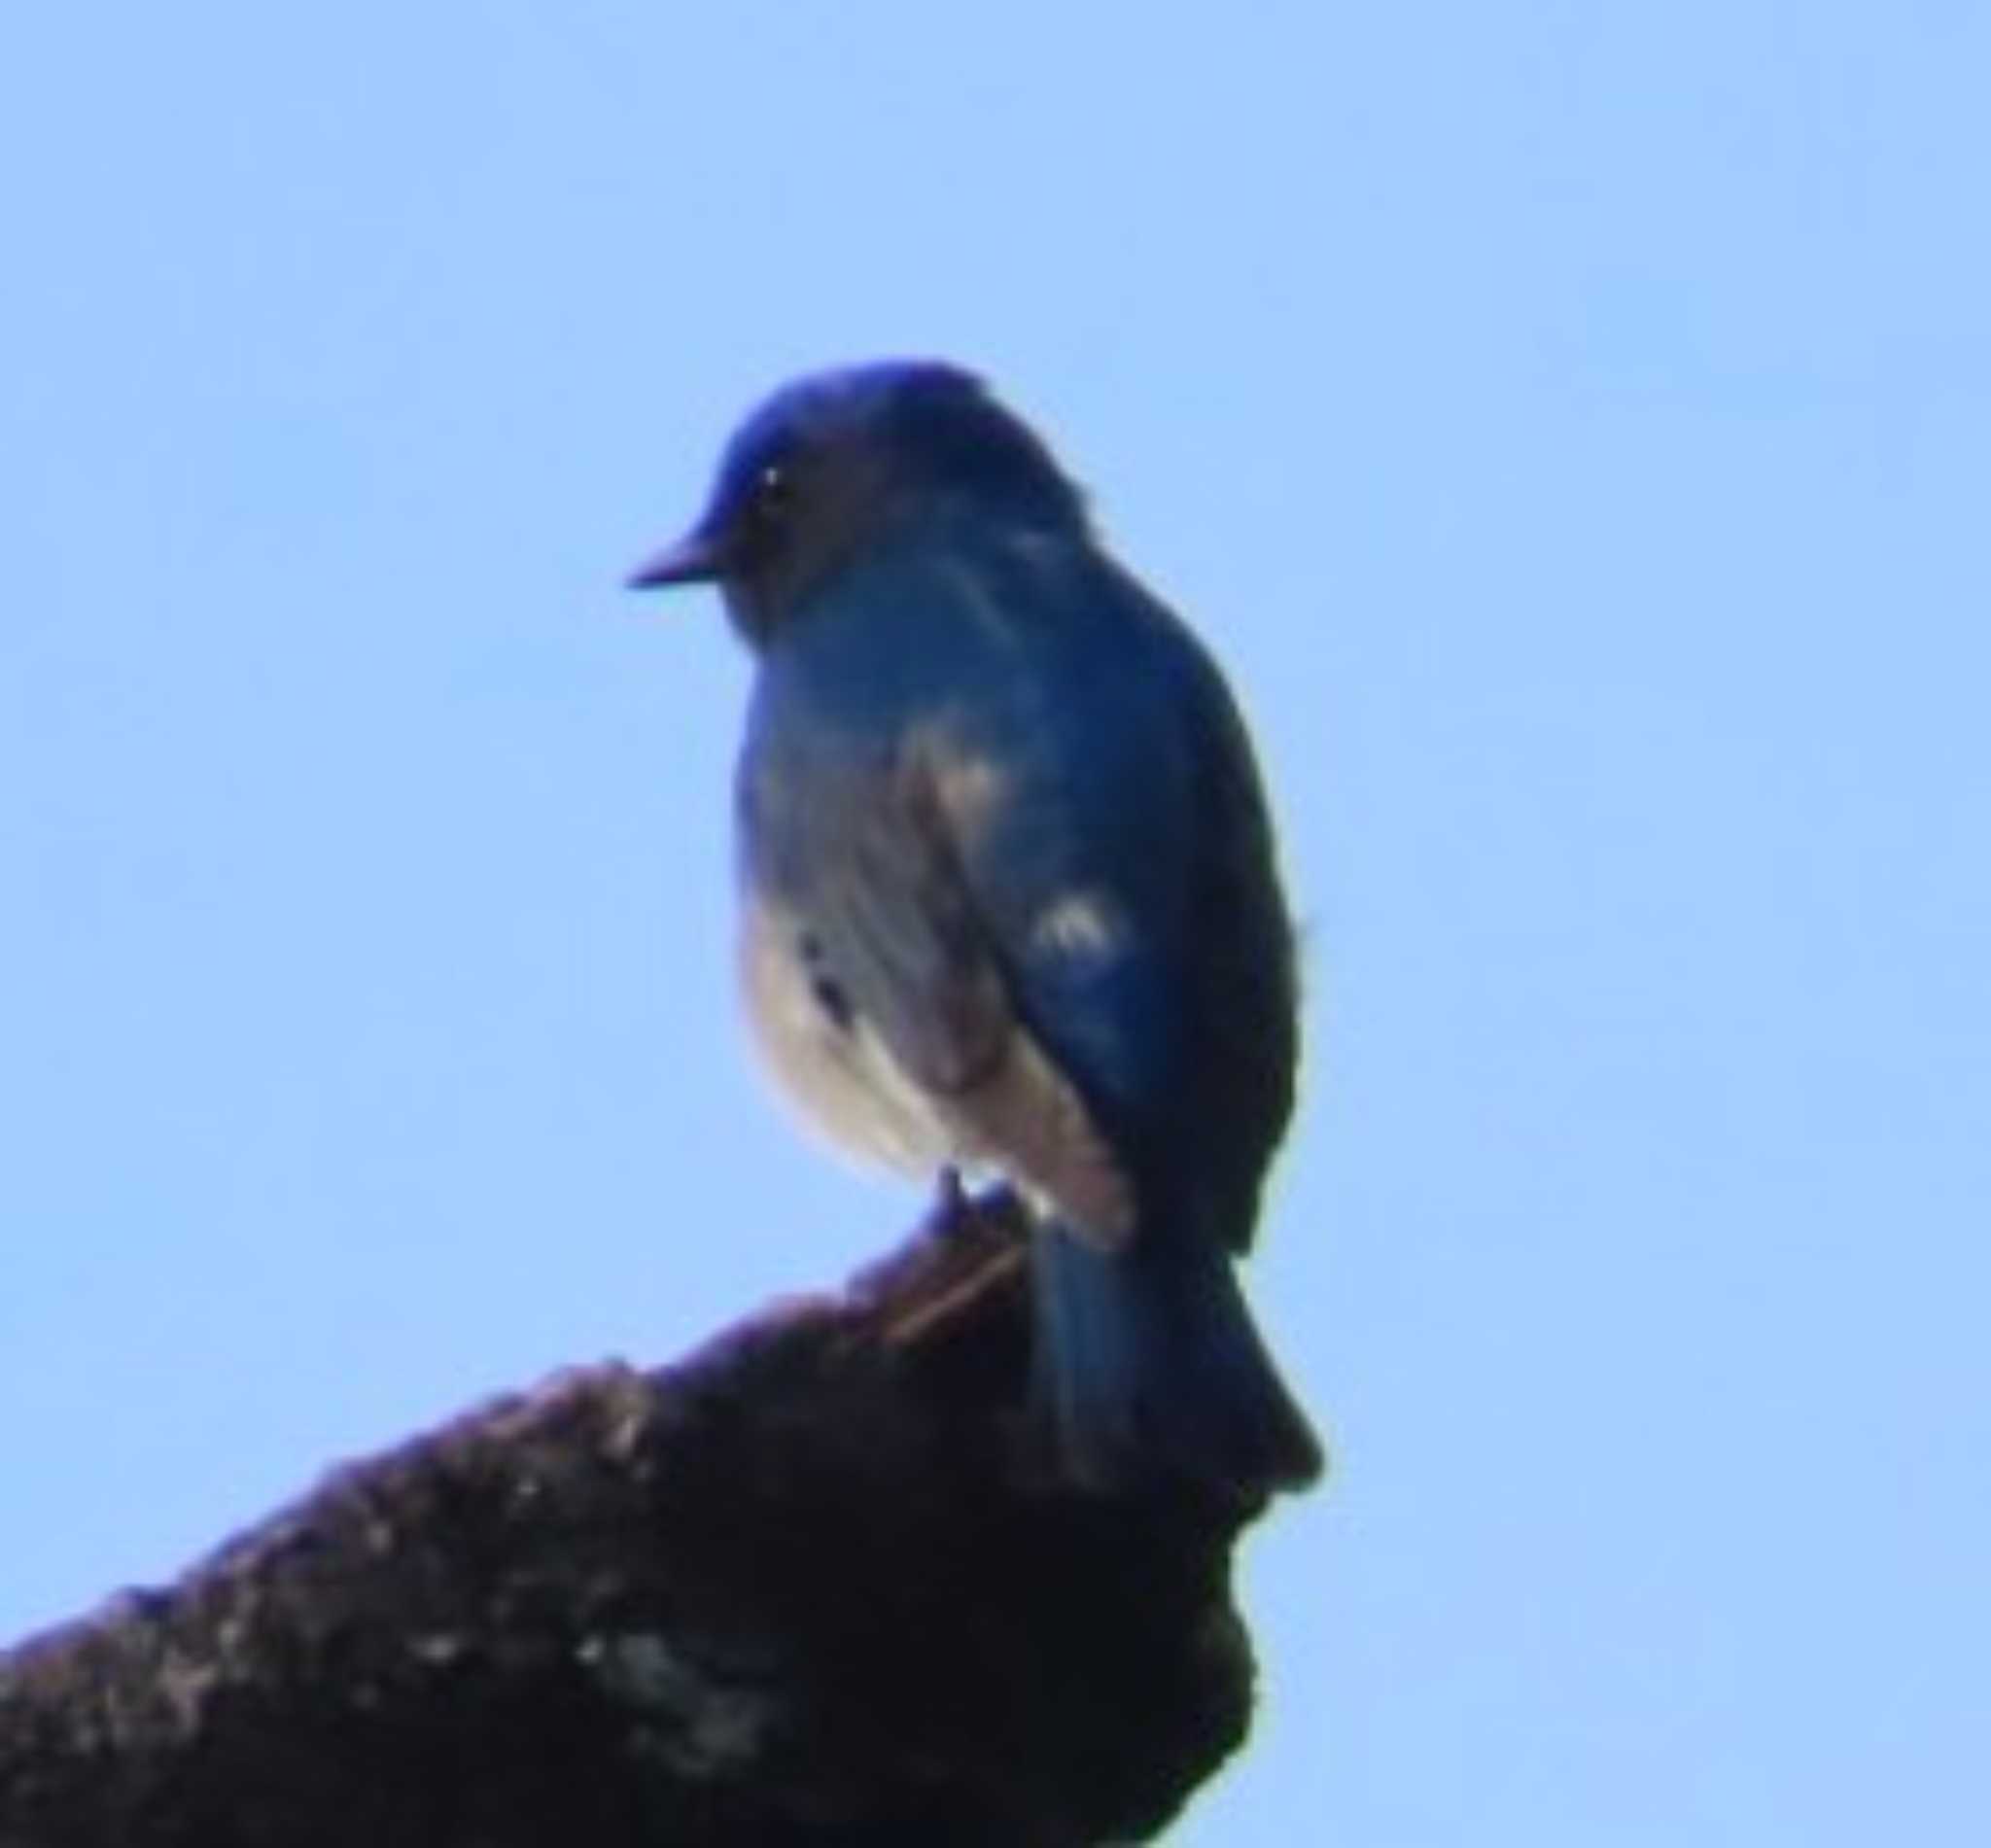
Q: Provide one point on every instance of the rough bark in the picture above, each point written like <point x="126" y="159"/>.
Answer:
<point x="808" y="1587"/>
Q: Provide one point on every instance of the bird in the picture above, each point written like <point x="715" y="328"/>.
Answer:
<point x="1009" y="901"/>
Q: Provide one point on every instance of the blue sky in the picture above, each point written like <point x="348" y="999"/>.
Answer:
<point x="1569" y="424"/>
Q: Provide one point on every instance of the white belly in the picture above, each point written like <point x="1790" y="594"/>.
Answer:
<point x="841" y="1078"/>
<point x="1022" y="1121"/>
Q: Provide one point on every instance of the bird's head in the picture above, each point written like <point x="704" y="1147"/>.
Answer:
<point x="840" y="461"/>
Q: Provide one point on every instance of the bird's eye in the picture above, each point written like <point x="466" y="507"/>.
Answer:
<point x="773" y="493"/>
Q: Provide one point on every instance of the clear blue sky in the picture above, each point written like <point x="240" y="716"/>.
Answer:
<point x="1569" y="422"/>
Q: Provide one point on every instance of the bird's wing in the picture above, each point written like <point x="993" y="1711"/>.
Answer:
<point x="900" y="926"/>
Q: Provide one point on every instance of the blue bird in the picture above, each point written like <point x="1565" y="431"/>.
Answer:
<point x="1008" y="893"/>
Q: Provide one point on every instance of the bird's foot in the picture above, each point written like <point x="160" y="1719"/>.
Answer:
<point x="953" y="1203"/>
<point x="957" y="1208"/>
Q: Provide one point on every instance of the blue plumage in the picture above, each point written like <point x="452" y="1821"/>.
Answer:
<point x="1009" y="898"/>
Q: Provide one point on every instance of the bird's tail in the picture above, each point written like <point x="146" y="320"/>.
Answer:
<point x="1151" y="1369"/>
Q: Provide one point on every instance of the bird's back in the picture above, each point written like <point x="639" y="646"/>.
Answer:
<point x="1110" y="828"/>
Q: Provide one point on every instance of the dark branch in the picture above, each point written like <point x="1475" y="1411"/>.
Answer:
<point x="804" y="1589"/>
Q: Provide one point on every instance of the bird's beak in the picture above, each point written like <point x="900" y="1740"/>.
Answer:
<point x="695" y="559"/>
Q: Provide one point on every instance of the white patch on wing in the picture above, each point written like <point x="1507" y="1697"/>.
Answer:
<point x="969" y="786"/>
<point x="1078" y="923"/>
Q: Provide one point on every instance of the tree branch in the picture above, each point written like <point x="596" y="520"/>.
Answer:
<point x="806" y="1588"/>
